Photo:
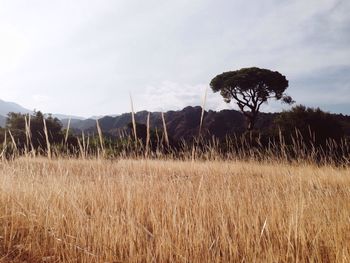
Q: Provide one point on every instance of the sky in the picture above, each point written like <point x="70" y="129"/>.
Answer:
<point x="85" y="57"/>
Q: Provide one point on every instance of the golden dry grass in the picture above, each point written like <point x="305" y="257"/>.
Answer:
<point x="172" y="211"/>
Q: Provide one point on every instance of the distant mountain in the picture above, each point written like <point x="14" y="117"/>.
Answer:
<point x="101" y="116"/>
<point x="6" y="107"/>
<point x="79" y="125"/>
<point x="64" y="116"/>
<point x="182" y="124"/>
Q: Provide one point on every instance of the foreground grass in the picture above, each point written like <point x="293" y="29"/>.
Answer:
<point x="161" y="211"/>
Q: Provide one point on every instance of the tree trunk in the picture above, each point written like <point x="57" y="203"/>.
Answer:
<point x="251" y="117"/>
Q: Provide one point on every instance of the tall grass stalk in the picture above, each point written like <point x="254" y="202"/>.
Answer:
<point x="48" y="145"/>
<point x="27" y="131"/>
<point x="133" y="119"/>
<point x="67" y="132"/>
<point x="4" y="147"/>
<point x="165" y="130"/>
<point x="84" y="143"/>
<point x="148" y="138"/>
<point x="81" y="147"/>
<point x="100" y="136"/>
<point x="203" y="111"/>
<point x="13" y="141"/>
<point x="30" y="136"/>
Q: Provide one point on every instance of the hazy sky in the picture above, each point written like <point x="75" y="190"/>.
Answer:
<point x="83" y="57"/>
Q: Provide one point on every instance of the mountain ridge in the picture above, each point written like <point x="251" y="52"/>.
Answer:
<point x="181" y="124"/>
<point x="8" y="106"/>
<point x="184" y="124"/>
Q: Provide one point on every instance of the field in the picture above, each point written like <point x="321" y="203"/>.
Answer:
<point x="173" y="211"/>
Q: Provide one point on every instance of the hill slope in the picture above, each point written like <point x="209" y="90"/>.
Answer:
<point x="6" y="107"/>
<point x="180" y="124"/>
<point x="184" y="124"/>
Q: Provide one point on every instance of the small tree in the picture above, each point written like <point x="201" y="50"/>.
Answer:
<point x="250" y="88"/>
<point x="314" y="125"/>
<point x="16" y="123"/>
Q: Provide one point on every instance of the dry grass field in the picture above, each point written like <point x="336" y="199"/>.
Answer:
<point x="173" y="211"/>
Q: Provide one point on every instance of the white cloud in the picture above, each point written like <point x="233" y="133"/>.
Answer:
<point x="174" y="96"/>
